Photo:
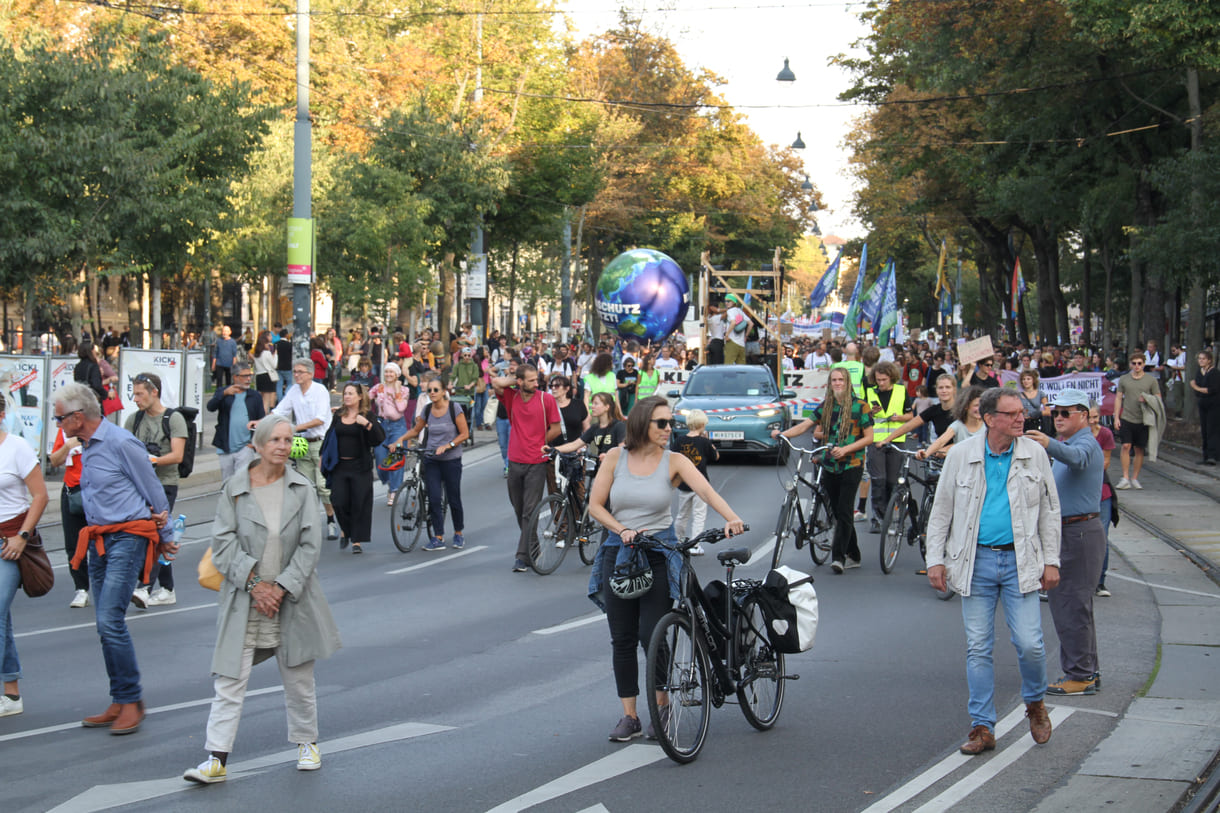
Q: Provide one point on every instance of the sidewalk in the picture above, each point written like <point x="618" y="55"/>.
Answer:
<point x="1168" y="737"/>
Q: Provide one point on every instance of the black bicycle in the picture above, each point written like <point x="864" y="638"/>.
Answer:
<point x="562" y="520"/>
<point x="904" y="519"/>
<point x="704" y="651"/>
<point x="809" y="519"/>
<point x="409" y="516"/>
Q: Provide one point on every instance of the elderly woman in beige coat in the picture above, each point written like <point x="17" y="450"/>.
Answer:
<point x="266" y="541"/>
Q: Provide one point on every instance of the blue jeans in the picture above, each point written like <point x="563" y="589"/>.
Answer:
<point x="10" y="577"/>
<point x="480" y="404"/>
<point x="994" y="582"/>
<point x="393" y="431"/>
<point x="502" y="427"/>
<point x="1105" y="526"/>
<point x="283" y="383"/>
<point x="113" y="577"/>
<point x="444" y="481"/>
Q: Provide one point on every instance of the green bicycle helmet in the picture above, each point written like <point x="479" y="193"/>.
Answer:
<point x="300" y="448"/>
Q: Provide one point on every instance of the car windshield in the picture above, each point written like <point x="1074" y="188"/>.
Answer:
<point x="730" y="382"/>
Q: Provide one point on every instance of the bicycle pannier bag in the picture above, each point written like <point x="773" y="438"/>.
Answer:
<point x="790" y="605"/>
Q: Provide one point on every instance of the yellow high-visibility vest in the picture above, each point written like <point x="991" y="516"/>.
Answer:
<point x="884" y="421"/>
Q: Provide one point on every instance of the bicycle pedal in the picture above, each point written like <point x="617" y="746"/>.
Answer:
<point x="790" y="677"/>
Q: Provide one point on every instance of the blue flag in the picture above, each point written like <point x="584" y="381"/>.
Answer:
<point x="851" y="320"/>
<point x="889" y="308"/>
<point x="829" y="282"/>
<point x="870" y="307"/>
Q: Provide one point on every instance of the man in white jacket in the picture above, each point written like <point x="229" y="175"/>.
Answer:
<point x="993" y="536"/>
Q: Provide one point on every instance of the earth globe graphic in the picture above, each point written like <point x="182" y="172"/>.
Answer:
<point x="642" y="294"/>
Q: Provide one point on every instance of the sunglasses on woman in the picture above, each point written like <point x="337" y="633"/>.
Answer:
<point x="662" y="423"/>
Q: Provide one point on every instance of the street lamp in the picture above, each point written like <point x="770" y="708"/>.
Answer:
<point x="786" y="75"/>
<point x="806" y="186"/>
<point x="798" y="144"/>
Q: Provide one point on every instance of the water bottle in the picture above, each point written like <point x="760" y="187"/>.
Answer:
<point x="179" y="530"/>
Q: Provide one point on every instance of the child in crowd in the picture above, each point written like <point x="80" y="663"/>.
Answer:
<point x="695" y="445"/>
<point x="363" y="374"/>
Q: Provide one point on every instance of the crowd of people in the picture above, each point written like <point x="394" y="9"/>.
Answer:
<point x="1028" y="520"/>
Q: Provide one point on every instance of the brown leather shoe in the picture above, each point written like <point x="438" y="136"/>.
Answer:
<point x="981" y="739"/>
<point x="129" y="719"/>
<point x="104" y="719"/>
<point x="1039" y="721"/>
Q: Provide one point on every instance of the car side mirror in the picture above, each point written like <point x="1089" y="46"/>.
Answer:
<point x="674" y="394"/>
<point x="788" y="395"/>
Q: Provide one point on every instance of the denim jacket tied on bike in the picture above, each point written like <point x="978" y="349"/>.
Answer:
<point x="622" y="554"/>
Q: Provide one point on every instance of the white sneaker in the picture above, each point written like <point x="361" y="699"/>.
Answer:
<point x="140" y="598"/>
<point x="80" y="599"/>
<point x="849" y="563"/>
<point x="208" y="772"/>
<point x="697" y="550"/>
<point x="1135" y="483"/>
<point x="860" y="516"/>
<point x="162" y="598"/>
<point x="308" y="757"/>
<point x="9" y="707"/>
<point x="1123" y="484"/>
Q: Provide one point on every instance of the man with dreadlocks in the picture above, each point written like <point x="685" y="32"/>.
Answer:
<point x="843" y="421"/>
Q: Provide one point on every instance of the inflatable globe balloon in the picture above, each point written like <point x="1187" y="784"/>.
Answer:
<point x="642" y="294"/>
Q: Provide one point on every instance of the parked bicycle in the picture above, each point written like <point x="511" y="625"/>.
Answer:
<point x="808" y="520"/>
<point x="704" y="651"/>
<point x="562" y="520"/>
<point x="904" y="520"/>
<point x="409" y="516"/>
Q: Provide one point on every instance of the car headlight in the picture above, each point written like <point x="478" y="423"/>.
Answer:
<point x="681" y="414"/>
<point x="768" y="413"/>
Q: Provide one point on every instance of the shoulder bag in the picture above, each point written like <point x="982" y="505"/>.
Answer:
<point x="37" y="577"/>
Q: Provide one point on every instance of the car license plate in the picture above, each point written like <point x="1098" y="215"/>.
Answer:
<point x="728" y="435"/>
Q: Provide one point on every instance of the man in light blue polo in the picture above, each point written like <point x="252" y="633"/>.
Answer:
<point x="1079" y="469"/>
<point x="994" y="537"/>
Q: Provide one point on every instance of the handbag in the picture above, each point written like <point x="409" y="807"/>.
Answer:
<point x="37" y="577"/>
<point x="209" y="576"/>
<point x="112" y="405"/>
<point x="76" y="502"/>
<point x="489" y="411"/>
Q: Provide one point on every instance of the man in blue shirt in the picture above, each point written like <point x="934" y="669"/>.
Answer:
<point x="1079" y="469"/>
<point x="993" y="534"/>
<point x="238" y="408"/>
<point x="118" y="486"/>
<point x="222" y="358"/>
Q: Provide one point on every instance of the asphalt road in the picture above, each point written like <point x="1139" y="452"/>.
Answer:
<point x="462" y="686"/>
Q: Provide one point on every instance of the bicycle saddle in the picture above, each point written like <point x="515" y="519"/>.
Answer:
<point x="738" y="556"/>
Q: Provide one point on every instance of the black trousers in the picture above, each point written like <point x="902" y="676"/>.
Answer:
<point x="842" y="488"/>
<point x="72" y="524"/>
<point x="632" y="621"/>
<point x="1209" y="425"/>
<point x="351" y="494"/>
<point x="715" y="351"/>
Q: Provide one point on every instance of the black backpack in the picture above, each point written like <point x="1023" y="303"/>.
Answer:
<point x="192" y="434"/>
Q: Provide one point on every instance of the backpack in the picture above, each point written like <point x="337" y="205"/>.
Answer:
<point x="790" y="606"/>
<point x="192" y="433"/>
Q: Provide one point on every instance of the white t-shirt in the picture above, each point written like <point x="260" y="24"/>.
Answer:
<point x="732" y="318"/>
<point x="817" y="361"/>
<point x="585" y="361"/>
<point x="715" y="326"/>
<point x="666" y="364"/>
<point x="17" y="460"/>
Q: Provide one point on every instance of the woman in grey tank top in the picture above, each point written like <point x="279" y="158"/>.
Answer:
<point x="632" y="494"/>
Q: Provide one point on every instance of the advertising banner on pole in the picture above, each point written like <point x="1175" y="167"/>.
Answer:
<point x="62" y="369"/>
<point x="194" y="383"/>
<point x="23" y="385"/>
<point x="165" y="364"/>
<point x="300" y="250"/>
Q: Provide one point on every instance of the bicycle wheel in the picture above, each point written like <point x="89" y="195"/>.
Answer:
<point x="785" y="527"/>
<point x="893" y="528"/>
<point x="588" y="538"/>
<point x="761" y="689"/>
<point x="406" y="516"/>
<point x="819" y="527"/>
<point x="549" y="529"/>
<point x="677" y="667"/>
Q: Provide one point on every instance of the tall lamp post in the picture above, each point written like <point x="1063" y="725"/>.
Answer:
<point x="300" y="227"/>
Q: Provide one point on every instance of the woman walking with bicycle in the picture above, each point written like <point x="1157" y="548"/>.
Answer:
<point x="843" y="422"/>
<point x="634" y="587"/>
<point x="447" y="431"/>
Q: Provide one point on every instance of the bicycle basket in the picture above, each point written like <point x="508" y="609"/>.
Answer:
<point x="790" y="605"/>
<point x="394" y="460"/>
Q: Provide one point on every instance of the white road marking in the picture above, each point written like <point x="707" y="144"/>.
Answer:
<point x="940" y="770"/>
<point x="1162" y="586"/>
<point x="597" y="808"/>
<point x="130" y="617"/>
<point x="20" y="735"/>
<point x="620" y="762"/>
<point x="105" y="797"/>
<point x="571" y="625"/>
<point x="431" y="562"/>
<point x="768" y="544"/>
<point x="989" y="769"/>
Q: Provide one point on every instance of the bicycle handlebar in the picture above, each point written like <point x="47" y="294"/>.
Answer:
<point x="801" y="450"/>
<point x="711" y="536"/>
